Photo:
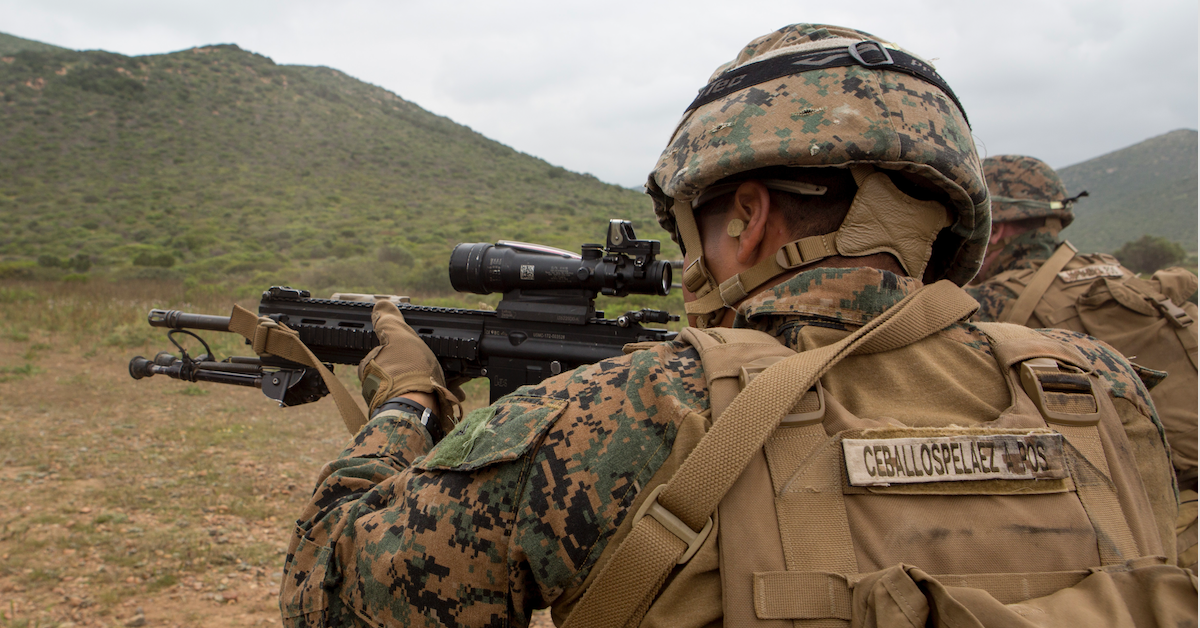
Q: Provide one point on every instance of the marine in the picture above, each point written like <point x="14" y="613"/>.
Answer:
<point x="828" y="217"/>
<point x="1033" y="277"/>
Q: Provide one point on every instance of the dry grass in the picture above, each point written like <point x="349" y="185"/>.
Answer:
<point x="119" y="495"/>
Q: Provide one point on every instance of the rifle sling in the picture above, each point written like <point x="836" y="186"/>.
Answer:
<point x="270" y="337"/>
<point x="632" y="578"/>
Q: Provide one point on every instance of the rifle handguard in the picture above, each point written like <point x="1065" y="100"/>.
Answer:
<point x="271" y="338"/>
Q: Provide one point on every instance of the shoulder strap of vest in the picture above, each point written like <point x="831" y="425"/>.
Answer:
<point x="1021" y="309"/>
<point x="680" y="511"/>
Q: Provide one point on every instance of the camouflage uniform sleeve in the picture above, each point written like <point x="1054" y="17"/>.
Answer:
<point x="1142" y="425"/>
<point x="382" y="449"/>
<point x="509" y="510"/>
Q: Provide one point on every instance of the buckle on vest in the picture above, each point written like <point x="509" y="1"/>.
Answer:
<point x="673" y="524"/>
<point x="1176" y="314"/>
<point x="808" y="410"/>
<point x="1056" y="392"/>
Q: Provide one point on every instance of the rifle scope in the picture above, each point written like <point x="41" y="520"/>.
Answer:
<point x="623" y="266"/>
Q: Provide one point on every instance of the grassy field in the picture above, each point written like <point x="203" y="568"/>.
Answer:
<point x="152" y="502"/>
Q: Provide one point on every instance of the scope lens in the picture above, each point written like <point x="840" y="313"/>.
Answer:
<point x="665" y="275"/>
<point x="466" y="267"/>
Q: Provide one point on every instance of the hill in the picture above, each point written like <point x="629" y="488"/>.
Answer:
<point x="216" y="163"/>
<point x="10" y="45"/>
<point x="1147" y="188"/>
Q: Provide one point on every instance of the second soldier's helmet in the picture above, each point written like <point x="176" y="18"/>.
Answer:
<point x="1023" y="187"/>
<point x="811" y="95"/>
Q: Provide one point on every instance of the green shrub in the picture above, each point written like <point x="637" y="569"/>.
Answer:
<point x="79" y="263"/>
<point x="1150" y="253"/>
<point x="106" y="81"/>
<point x="159" y="260"/>
<point x="51" y="261"/>
<point x="428" y="278"/>
<point x="17" y="270"/>
<point x="395" y="254"/>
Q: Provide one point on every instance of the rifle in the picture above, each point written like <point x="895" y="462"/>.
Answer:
<point x="546" y="323"/>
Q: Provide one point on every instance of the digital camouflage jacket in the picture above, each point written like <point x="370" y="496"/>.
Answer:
<point x="514" y="509"/>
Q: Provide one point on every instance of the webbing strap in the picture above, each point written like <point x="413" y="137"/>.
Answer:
<point x="789" y="256"/>
<point x="1091" y="475"/>
<point x="736" y="287"/>
<point x="625" y="588"/>
<point x="270" y="337"/>
<point x="809" y="502"/>
<point x="822" y="55"/>
<point x="1021" y="309"/>
<point x="807" y="250"/>
<point x="798" y="595"/>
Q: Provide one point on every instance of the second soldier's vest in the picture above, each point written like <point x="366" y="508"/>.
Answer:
<point x="1150" y="322"/>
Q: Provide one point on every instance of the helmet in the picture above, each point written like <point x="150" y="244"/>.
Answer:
<point x="811" y="95"/>
<point x="1023" y="187"/>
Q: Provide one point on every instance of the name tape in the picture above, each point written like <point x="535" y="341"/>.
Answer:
<point x="884" y="461"/>
<point x="1090" y="272"/>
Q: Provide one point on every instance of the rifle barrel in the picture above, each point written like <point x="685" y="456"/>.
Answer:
<point x="176" y="319"/>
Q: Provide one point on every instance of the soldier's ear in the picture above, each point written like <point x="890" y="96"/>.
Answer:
<point x="998" y="229"/>
<point x="752" y="206"/>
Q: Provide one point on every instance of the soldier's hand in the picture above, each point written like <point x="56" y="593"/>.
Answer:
<point x="402" y="363"/>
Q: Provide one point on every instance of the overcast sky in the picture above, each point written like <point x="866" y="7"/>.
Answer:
<point x="597" y="87"/>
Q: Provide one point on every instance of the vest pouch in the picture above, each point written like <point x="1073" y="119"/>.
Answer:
<point x="1135" y="325"/>
<point x="1141" y="592"/>
<point x="1178" y="284"/>
<point x="1124" y="318"/>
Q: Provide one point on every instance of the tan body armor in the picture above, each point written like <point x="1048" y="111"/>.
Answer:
<point x="1150" y="322"/>
<point x="840" y="520"/>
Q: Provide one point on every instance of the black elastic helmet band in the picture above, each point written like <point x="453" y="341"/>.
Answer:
<point x="868" y="54"/>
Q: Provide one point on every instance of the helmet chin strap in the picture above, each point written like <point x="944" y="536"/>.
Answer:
<point x="881" y="219"/>
<point x="696" y="277"/>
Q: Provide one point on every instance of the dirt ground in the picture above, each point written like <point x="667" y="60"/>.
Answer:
<point x="145" y="503"/>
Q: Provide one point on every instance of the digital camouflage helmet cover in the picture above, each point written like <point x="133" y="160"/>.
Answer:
<point x="811" y="95"/>
<point x="1023" y="187"/>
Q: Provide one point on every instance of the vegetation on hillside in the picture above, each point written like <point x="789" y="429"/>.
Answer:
<point x="10" y="45"/>
<point x="215" y="164"/>
<point x="1148" y="188"/>
<point x="1150" y="253"/>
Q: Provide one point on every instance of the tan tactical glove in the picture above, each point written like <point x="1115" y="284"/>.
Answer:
<point x="403" y="363"/>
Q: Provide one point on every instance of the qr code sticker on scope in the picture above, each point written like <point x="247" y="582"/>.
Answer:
<point x="527" y="272"/>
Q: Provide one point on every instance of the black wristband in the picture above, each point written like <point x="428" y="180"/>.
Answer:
<point x="427" y="417"/>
